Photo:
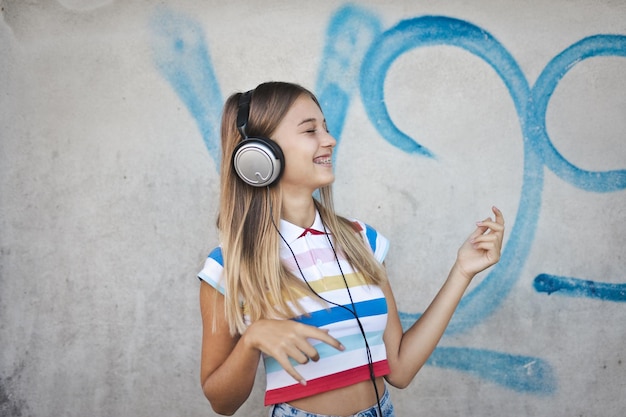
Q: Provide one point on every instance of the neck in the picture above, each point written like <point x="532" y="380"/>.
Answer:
<point x="300" y="211"/>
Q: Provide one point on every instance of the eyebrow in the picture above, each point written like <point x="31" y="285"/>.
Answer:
<point x="311" y="119"/>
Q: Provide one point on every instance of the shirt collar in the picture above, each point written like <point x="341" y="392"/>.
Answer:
<point x="291" y="232"/>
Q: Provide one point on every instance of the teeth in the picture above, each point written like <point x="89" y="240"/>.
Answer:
<point x="324" y="161"/>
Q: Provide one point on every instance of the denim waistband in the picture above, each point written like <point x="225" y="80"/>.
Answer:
<point x="285" y="410"/>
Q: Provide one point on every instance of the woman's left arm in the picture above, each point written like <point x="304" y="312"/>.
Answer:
<point x="407" y="352"/>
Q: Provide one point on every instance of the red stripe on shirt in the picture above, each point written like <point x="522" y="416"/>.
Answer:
<point x="325" y="383"/>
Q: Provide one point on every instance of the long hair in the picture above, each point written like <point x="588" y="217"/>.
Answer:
<point x="256" y="282"/>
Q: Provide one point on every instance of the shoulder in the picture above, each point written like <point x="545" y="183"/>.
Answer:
<point x="213" y="268"/>
<point x="376" y="241"/>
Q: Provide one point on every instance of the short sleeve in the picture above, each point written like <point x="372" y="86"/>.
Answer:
<point x="213" y="270"/>
<point x="377" y="242"/>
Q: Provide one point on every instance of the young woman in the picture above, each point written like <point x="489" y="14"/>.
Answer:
<point x="301" y="287"/>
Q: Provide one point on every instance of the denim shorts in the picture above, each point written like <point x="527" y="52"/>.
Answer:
<point x="285" y="410"/>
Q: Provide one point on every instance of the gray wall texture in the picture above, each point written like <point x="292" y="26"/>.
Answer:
<point x="108" y="189"/>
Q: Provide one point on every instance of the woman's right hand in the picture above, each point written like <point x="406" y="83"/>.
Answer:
<point x="284" y="339"/>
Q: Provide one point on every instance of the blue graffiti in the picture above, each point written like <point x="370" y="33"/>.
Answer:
<point x="349" y="35"/>
<point x="435" y="30"/>
<point x="593" y="46"/>
<point x="519" y="373"/>
<point x="575" y="287"/>
<point x="476" y="306"/>
<point x="182" y="57"/>
<point x="356" y="58"/>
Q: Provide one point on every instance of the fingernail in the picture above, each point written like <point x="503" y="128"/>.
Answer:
<point x="302" y="382"/>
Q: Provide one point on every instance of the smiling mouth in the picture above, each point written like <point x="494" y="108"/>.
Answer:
<point x="326" y="160"/>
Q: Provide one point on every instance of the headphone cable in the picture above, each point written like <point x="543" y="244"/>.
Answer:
<point x="353" y="311"/>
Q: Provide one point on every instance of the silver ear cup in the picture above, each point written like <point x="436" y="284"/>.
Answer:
<point x="256" y="163"/>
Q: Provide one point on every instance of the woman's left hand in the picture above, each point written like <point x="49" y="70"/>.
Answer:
<point x="482" y="248"/>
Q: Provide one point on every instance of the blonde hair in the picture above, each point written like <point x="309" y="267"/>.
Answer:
<point x="248" y="218"/>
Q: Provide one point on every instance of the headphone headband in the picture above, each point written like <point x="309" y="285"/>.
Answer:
<point x="258" y="161"/>
<point x="244" y="112"/>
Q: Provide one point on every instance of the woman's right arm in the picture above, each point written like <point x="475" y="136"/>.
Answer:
<point x="227" y="367"/>
<point x="229" y="363"/>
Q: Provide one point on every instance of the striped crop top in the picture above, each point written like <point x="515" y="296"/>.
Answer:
<point x="316" y="259"/>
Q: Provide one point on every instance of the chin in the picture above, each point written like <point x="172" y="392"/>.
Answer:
<point x="330" y="181"/>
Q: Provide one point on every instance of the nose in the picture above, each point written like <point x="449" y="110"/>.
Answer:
<point x="328" y="140"/>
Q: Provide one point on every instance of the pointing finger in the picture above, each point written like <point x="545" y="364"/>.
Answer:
<point x="499" y="216"/>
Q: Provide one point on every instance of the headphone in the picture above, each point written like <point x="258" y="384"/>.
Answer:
<point x="258" y="161"/>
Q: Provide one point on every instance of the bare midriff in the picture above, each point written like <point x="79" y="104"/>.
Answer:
<point x="343" y="401"/>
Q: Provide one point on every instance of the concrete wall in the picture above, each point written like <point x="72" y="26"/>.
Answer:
<point x="108" y="189"/>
